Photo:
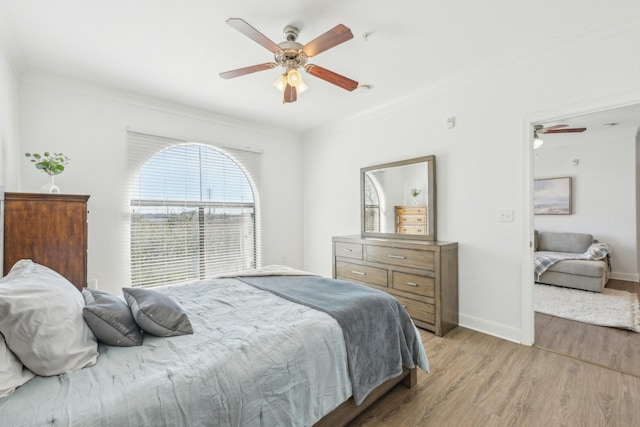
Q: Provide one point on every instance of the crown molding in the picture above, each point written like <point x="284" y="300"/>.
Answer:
<point x="619" y="22"/>
<point x="90" y="89"/>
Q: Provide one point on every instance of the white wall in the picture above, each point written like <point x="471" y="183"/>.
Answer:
<point x="479" y="163"/>
<point x="9" y="125"/>
<point x="89" y="125"/>
<point x="603" y="190"/>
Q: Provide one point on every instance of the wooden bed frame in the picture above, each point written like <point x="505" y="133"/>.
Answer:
<point x="348" y="410"/>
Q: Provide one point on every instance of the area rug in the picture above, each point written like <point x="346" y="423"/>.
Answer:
<point x="614" y="308"/>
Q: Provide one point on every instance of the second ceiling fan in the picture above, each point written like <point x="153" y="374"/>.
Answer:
<point x="291" y="55"/>
<point x="539" y="130"/>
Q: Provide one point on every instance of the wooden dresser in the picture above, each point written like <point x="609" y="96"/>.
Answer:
<point x="411" y="219"/>
<point x="49" y="229"/>
<point x="422" y="275"/>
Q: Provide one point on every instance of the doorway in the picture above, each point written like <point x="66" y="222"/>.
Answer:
<point x="613" y="348"/>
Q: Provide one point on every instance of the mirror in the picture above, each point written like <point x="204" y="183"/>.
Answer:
<point x="399" y="199"/>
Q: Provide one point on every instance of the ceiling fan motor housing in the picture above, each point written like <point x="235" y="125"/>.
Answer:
<point x="291" y="55"/>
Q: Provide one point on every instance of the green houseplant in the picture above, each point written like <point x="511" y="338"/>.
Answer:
<point x="52" y="164"/>
<point x="415" y="193"/>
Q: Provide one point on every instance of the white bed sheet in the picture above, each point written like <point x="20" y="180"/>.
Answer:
<point x="255" y="359"/>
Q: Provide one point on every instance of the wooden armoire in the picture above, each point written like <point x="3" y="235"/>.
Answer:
<point x="49" y="229"/>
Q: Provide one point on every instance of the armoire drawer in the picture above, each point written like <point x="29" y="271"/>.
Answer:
<point x="361" y="273"/>
<point x="399" y="256"/>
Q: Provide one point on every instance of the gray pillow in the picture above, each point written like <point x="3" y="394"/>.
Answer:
<point x="110" y="319"/>
<point x="157" y="313"/>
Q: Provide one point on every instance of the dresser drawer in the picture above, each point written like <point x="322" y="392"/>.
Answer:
<point x="412" y="220"/>
<point x="399" y="256"/>
<point x="413" y="283"/>
<point x="411" y="211"/>
<point x="361" y="273"/>
<point x="349" y="250"/>
<point x="418" y="310"/>
<point x="411" y="229"/>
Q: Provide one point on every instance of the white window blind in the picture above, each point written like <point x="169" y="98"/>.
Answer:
<point x="194" y="210"/>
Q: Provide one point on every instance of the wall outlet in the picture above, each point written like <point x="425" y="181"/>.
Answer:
<point x="92" y="284"/>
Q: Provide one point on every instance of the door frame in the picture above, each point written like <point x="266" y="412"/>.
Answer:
<point x="556" y="114"/>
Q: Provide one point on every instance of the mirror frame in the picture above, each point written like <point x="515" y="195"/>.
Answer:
<point x="431" y="201"/>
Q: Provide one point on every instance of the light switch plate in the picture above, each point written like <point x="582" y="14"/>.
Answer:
<point x="505" y="215"/>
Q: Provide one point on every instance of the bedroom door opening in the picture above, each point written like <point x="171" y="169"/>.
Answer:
<point x="566" y="336"/>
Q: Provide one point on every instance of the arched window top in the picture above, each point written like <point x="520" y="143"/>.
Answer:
<point x="193" y="172"/>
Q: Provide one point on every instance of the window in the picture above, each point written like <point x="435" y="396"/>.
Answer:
<point x="193" y="211"/>
<point x="371" y="205"/>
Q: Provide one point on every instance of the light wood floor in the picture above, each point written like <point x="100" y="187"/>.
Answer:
<point x="610" y="347"/>
<point x="480" y="380"/>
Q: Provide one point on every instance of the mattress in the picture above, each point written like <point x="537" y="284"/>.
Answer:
<point x="255" y="359"/>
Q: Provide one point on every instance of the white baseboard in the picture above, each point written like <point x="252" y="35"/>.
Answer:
<point x="629" y="277"/>
<point x="491" y="328"/>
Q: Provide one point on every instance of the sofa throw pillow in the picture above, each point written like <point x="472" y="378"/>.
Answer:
<point x="156" y="313"/>
<point x="110" y="319"/>
<point x="12" y="373"/>
<point x="41" y="320"/>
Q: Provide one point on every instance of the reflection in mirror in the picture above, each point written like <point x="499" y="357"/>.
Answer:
<point x="398" y="199"/>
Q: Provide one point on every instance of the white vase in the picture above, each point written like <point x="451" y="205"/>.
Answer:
<point x="50" y="187"/>
<point x="414" y="201"/>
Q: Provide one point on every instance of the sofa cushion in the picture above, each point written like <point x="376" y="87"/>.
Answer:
<point x="576" y="243"/>
<point x="580" y="267"/>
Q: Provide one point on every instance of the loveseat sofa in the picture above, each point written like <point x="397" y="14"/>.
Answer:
<point x="572" y="260"/>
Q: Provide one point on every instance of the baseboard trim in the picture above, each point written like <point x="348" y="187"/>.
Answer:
<point x="491" y="328"/>
<point x="629" y="277"/>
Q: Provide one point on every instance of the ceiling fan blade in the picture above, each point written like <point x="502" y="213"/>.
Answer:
<point x="247" y="70"/>
<point x="333" y="37"/>
<point x="331" y="77"/>
<point x="255" y="35"/>
<point x="290" y="94"/>
<point x="570" y="130"/>
<point x="555" y="127"/>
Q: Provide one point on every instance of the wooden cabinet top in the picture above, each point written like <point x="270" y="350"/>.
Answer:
<point x="399" y="243"/>
<point x="46" y="197"/>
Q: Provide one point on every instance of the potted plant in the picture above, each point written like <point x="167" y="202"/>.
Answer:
<point x="52" y="164"/>
<point x="415" y="193"/>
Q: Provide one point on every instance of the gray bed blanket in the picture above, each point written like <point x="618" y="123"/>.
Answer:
<point x="380" y="337"/>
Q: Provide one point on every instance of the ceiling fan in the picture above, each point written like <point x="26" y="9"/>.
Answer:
<point x="539" y="129"/>
<point x="291" y="55"/>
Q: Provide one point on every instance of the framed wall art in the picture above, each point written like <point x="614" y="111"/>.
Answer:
<point x="552" y="196"/>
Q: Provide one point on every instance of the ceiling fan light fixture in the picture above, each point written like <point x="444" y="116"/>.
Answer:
<point x="294" y="78"/>
<point x="302" y="87"/>
<point x="281" y="82"/>
<point x="537" y="142"/>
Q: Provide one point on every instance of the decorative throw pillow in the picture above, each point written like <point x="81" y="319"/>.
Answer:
<point x="41" y="320"/>
<point x="156" y="313"/>
<point x="110" y="319"/>
<point x="12" y="373"/>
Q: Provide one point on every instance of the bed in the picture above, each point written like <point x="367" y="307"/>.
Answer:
<point x="257" y="356"/>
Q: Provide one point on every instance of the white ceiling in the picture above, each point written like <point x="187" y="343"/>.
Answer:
<point x="173" y="50"/>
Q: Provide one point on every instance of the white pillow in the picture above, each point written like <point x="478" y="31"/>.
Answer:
<point x="41" y="320"/>
<point x="12" y="373"/>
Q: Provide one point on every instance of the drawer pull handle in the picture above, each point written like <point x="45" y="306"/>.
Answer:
<point x="412" y="284"/>
<point x="359" y="273"/>
<point x="348" y="250"/>
<point x="396" y="256"/>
